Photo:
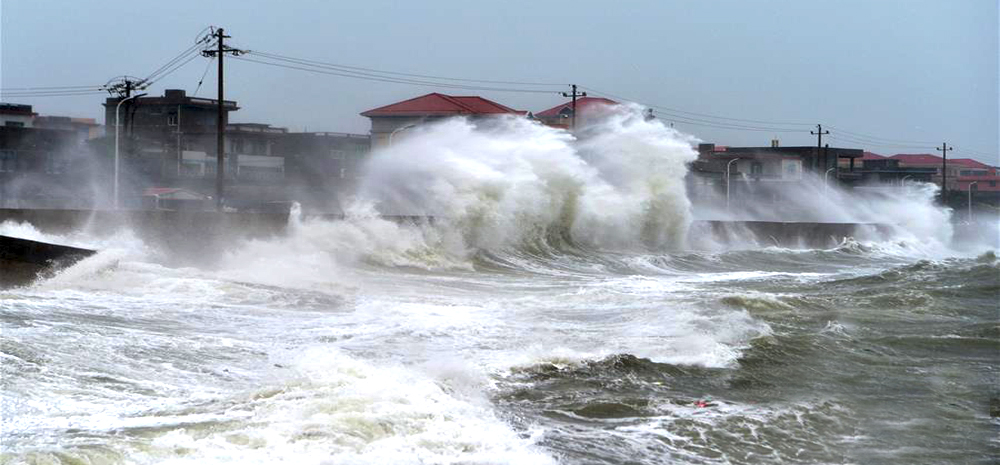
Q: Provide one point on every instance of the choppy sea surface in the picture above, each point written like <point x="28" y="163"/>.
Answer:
<point x="561" y="311"/>
<point x="282" y="351"/>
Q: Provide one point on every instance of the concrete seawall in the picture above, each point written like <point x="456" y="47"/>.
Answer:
<point x="194" y="233"/>
<point x="787" y="234"/>
<point x="207" y="233"/>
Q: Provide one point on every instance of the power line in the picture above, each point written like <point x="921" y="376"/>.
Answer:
<point x="51" y="94"/>
<point x="706" y="115"/>
<point x="370" y="77"/>
<point x="877" y="138"/>
<point x="46" y="88"/>
<point x="187" y="52"/>
<point x="207" y="67"/>
<point x="397" y="73"/>
<point x="146" y="83"/>
<point x="841" y="137"/>
<point x="720" y="124"/>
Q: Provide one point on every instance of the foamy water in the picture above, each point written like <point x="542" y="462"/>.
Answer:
<point x="556" y="312"/>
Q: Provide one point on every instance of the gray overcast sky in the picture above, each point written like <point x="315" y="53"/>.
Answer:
<point x="907" y="70"/>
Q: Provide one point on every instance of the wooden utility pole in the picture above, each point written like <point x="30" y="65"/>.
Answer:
<point x="574" y="94"/>
<point x="220" y="51"/>
<point x="944" y="171"/>
<point x="819" y="143"/>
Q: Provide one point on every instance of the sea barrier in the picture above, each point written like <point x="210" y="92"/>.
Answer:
<point x="21" y="260"/>
<point x="207" y="233"/>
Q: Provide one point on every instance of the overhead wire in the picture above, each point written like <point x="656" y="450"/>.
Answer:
<point x="843" y="138"/>
<point x="180" y="65"/>
<point x="373" y="77"/>
<point x="706" y="115"/>
<point x="876" y="138"/>
<point x="207" y="67"/>
<point x="397" y="73"/>
<point x="53" y="95"/>
<point x="181" y="56"/>
<point x="48" y="88"/>
<point x="674" y="115"/>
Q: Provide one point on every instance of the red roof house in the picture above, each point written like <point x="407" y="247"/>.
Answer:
<point x="917" y="159"/>
<point x="400" y="116"/>
<point x="559" y="115"/>
<point x="435" y="104"/>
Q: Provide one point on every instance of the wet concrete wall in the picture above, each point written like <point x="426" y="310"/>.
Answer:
<point x="200" y="233"/>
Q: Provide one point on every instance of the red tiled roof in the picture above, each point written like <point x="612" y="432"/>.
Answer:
<point x="969" y="163"/>
<point x="873" y="156"/>
<point x="917" y="158"/>
<point x="980" y="177"/>
<point x="439" y="105"/>
<point x="581" y="103"/>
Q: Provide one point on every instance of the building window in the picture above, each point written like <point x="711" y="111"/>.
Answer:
<point x="172" y="119"/>
<point x="993" y="184"/>
<point x="14" y="124"/>
<point x="756" y="168"/>
<point x="337" y="154"/>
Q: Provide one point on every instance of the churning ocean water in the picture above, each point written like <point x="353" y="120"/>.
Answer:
<point x="560" y="311"/>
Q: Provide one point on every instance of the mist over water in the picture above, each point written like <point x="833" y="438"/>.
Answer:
<point x="557" y="309"/>
<point x="510" y="181"/>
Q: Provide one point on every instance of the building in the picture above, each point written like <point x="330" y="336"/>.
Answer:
<point x="45" y="161"/>
<point x="321" y="167"/>
<point x="762" y="175"/>
<point x="879" y="169"/>
<point x="170" y="142"/>
<point x="962" y="172"/>
<point x="165" y="137"/>
<point x="777" y="163"/>
<point x="45" y="168"/>
<point x="394" y="118"/>
<point x="561" y="116"/>
<point x="976" y="178"/>
<point x="84" y="128"/>
<point x="14" y="115"/>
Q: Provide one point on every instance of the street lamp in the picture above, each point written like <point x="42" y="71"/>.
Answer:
<point x="973" y="183"/>
<point x="727" y="181"/>
<point x="118" y="107"/>
<point x="393" y="133"/>
<point x="826" y="179"/>
<point x="902" y="182"/>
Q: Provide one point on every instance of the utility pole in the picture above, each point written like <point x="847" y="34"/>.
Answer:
<point x="819" y="141"/>
<point x="122" y="87"/>
<point x="220" y="51"/>
<point x="944" y="171"/>
<point x="574" y="94"/>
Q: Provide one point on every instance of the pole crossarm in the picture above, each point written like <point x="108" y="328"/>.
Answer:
<point x="574" y="94"/>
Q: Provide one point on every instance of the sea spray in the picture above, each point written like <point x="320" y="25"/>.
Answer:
<point x="511" y="182"/>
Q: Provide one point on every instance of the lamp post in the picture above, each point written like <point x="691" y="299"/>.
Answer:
<point x="826" y="179"/>
<point x="727" y="181"/>
<point x="902" y="182"/>
<point x="393" y="133"/>
<point x="117" y="108"/>
<point x="973" y="183"/>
